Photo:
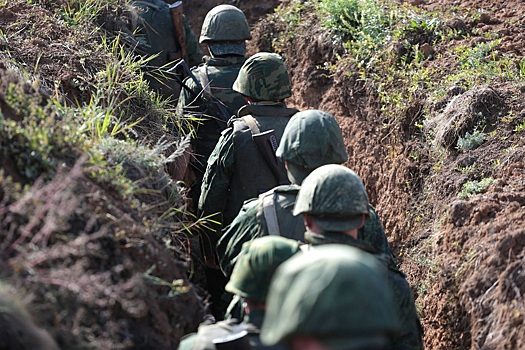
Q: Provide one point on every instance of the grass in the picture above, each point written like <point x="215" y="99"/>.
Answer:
<point x="121" y="123"/>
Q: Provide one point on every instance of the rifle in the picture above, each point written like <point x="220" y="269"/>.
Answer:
<point x="176" y="18"/>
<point x="266" y="143"/>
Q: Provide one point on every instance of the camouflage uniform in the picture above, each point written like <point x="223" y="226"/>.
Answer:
<point x="236" y="170"/>
<point x="224" y="30"/>
<point x="251" y="279"/>
<point x="335" y="294"/>
<point x="312" y="138"/>
<point x="151" y="32"/>
<point x="332" y="194"/>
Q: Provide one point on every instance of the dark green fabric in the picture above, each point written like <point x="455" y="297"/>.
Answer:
<point x="264" y="77"/>
<point x="335" y="196"/>
<point x="250" y="223"/>
<point x="336" y="293"/>
<point x="410" y="334"/>
<point x="225" y="23"/>
<point x="203" y="338"/>
<point x="312" y="138"/>
<point x="151" y="33"/>
<point x="222" y="72"/>
<point x="236" y="170"/>
<point x="256" y="265"/>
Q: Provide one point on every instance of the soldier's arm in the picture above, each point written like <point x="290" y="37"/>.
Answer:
<point x="411" y="332"/>
<point x="374" y="233"/>
<point x="242" y="229"/>
<point x="216" y="182"/>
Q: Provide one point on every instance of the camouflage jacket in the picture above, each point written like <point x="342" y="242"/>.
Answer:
<point x="410" y="336"/>
<point x="151" y="34"/>
<point x="271" y="213"/>
<point x="236" y="170"/>
<point x="217" y="74"/>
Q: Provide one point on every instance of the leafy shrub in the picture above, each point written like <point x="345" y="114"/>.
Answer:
<point x="362" y="25"/>
<point x="471" y="188"/>
<point x="471" y="141"/>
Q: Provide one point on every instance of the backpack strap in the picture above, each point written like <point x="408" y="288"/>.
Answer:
<point x="252" y="124"/>
<point x="270" y="214"/>
<point x="205" y="81"/>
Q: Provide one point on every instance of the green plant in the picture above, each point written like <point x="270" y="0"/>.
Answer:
<point x="471" y="188"/>
<point x="521" y="66"/>
<point x="361" y="25"/>
<point x="175" y="287"/>
<point x="467" y="169"/>
<point x="75" y="13"/>
<point x="471" y="141"/>
<point x="520" y="127"/>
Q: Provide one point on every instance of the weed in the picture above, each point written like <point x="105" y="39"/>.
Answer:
<point x="467" y="169"/>
<point x="521" y="66"/>
<point x="471" y="141"/>
<point x="520" y="127"/>
<point x="175" y="287"/>
<point x="75" y="13"/>
<point x="472" y="188"/>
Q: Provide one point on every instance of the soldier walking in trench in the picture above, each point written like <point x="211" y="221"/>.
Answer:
<point x="250" y="280"/>
<point x="224" y="31"/>
<point x="333" y="203"/>
<point x="311" y="139"/>
<point x="243" y="163"/>
<point x="161" y="33"/>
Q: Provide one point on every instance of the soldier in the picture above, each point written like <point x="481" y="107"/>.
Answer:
<point x="334" y="203"/>
<point x="163" y="35"/>
<point x="250" y="280"/>
<point x="17" y="329"/>
<point x="237" y="168"/>
<point x="312" y="138"/>
<point x="224" y="31"/>
<point x="330" y="298"/>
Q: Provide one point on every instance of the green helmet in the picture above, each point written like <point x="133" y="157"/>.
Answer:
<point x="225" y="23"/>
<point x="17" y="328"/>
<point x="311" y="139"/>
<point x="335" y="293"/>
<point x="335" y="196"/>
<point x="256" y="264"/>
<point x="264" y="77"/>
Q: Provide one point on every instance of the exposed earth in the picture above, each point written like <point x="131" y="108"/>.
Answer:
<point x="92" y="286"/>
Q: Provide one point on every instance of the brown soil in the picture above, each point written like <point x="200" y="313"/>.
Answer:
<point x="464" y="258"/>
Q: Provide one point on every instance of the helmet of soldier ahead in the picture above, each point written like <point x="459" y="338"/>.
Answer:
<point x="264" y="77"/>
<point x="311" y="139"/>
<point x="334" y="293"/>
<point x="335" y="196"/>
<point x="256" y="265"/>
<point x="224" y="30"/>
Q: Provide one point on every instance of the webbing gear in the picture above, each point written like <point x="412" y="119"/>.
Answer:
<point x="214" y="107"/>
<point x="267" y="144"/>
<point x="252" y="124"/>
<point x="270" y="214"/>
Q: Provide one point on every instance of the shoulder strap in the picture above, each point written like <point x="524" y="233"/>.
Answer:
<point x="203" y="75"/>
<point x="252" y="123"/>
<point x="270" y="215"/>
